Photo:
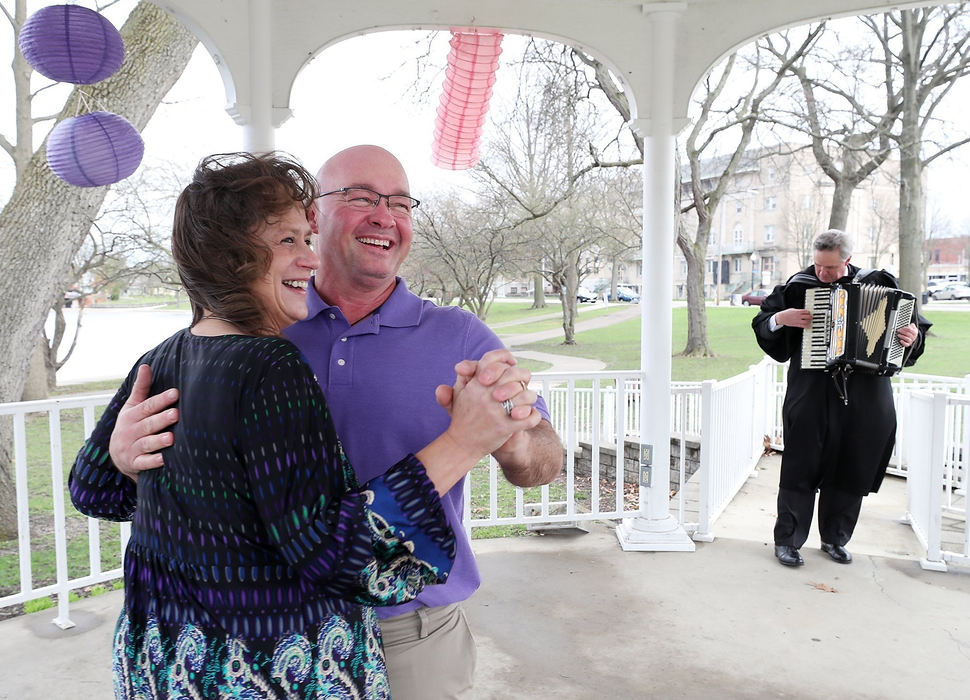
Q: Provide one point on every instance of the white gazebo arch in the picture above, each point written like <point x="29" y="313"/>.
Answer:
<point x="660" y="50"/>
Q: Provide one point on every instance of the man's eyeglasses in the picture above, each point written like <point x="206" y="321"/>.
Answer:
<point x="400" y="205"/>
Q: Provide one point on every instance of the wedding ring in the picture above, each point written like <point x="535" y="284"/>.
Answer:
<point x="508" y="406"/>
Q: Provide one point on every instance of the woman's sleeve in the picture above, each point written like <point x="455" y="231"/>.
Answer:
<point x="96" y="486"/>
<point x="378" y="544"/>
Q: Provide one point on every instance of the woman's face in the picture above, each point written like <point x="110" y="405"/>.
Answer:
<point x="282" y="291"/>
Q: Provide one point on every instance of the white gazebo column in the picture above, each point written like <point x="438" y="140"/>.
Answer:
<point x="259" y="135"/>
<point x="655" y="529"/>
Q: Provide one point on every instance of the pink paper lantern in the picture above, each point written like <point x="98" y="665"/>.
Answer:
<point x="469" y="80"/>
<point x="95" y="149"/>
<point x="466" y="91"/>
<point x="71" y="44"/>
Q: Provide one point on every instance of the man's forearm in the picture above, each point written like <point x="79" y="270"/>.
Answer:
<point x="536" y="458"/>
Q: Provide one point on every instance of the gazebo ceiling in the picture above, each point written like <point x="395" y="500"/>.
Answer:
<point x="618" y="32"/>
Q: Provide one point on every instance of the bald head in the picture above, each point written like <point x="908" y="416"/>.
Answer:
<point x="361" y="248"/>
<point x="363" y="166"/>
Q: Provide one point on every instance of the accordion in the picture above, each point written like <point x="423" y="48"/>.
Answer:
<point x="854" y="328"/>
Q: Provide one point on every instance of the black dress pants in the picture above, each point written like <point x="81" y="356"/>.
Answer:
<point x="838" y="513"/>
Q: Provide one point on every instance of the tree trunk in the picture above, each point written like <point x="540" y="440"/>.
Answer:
<point x="841" y="201"/>
<point x="568" y="295"/>
<point x="35" y="387"/>
<point x="910" y="165"/>
<point x="697" y="344"/>
<point x="46" y="219"/>
<point x="538" y="292"/>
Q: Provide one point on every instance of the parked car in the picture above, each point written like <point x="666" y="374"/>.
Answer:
<point x="583" y="295"/>
<point x="625" y="294"/>
<point x="953" y="291"/>
<point x="754" y="297"/>
<point x="935" y="285"/>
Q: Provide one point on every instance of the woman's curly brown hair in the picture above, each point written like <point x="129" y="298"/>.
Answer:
<point x="215" y="236"/>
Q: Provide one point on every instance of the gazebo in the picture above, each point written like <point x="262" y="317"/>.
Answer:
<point x="658" y="50"/>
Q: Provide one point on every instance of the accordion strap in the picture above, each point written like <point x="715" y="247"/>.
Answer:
<point x="840" y="376"/>
<point x="805" y="278"/>
<point x="862" y="274"/>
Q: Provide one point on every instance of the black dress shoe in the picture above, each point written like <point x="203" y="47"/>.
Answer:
<point x="837" y="552"/>
<point x="788" y="555"/>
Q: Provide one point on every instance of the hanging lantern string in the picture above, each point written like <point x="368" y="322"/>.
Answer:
<point x="87" y="103"/>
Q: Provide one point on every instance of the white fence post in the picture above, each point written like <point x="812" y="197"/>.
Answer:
<point x="706" y="468"/>
<point x="934" y="554"/>
<point x="63" y="619"/>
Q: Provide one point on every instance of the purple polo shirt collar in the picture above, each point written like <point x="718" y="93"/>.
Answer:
<point x="400" y="310"/>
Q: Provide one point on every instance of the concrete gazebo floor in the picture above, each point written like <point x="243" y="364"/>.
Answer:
<point x="573" y="616"/>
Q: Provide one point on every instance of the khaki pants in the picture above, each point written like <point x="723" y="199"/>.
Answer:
<point x="430" y="654"/>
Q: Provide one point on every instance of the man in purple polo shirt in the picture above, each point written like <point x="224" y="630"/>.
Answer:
<point x="376" y="348"/>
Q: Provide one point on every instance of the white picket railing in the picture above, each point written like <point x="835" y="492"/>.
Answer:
<point x="938" y="439"/>
<point x="586" y="408"/>
<point x="728" y="420"/>
<point x="60" y="453"/>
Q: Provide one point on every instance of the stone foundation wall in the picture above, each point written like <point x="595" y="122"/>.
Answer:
<point x="631" y="461"/>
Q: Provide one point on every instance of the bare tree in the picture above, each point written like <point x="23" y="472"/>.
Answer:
<point x="847" y="113"/>
<point x="540" y="163"/>
<point x="804" y="218"/>
<point x="129" y="240"/>
<point x="925" y="52"/>
<point x="47" y="219"/>
<point x="729" y="106"/>
<point x="468" y="244"/>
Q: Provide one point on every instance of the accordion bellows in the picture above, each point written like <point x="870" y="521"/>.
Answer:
<point x="854" y="328"/>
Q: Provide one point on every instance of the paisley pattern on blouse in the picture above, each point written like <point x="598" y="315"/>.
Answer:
<point x="341" y="659"/>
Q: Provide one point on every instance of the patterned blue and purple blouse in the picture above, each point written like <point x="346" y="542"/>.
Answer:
<point x="255" y="556"/>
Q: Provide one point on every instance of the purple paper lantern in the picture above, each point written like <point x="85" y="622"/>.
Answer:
<point x="94" y="149"/>
<point x="71" y="44"/>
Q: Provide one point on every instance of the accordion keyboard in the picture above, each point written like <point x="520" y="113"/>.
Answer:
<point x="815" y="339"/>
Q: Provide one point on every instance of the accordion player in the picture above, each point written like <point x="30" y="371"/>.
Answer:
<point x="854" y="328"/>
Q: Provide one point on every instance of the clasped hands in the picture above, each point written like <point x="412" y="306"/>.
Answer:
<point x="802" y="318"/>
<point x="474" y="403"/>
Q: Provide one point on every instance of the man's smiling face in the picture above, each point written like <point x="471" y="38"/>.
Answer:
<point x="361" y="246"/>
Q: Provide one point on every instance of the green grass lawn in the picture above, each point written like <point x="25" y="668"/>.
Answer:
<point x="732" y="340"/>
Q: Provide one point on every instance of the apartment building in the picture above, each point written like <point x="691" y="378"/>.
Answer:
<point x="948" y="259"/>
<point x="777" y="203"/>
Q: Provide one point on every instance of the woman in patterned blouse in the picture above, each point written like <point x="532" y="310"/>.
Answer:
<point x="255" y="556"/>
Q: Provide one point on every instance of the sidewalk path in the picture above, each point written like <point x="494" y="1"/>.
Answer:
<point x="562" y="363"/>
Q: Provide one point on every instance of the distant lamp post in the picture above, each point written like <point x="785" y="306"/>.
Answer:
<point x="754" y="268"/>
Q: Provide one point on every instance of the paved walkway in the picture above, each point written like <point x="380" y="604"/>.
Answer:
<point x="573" y="617"/>
<point x="557" y="362"/>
